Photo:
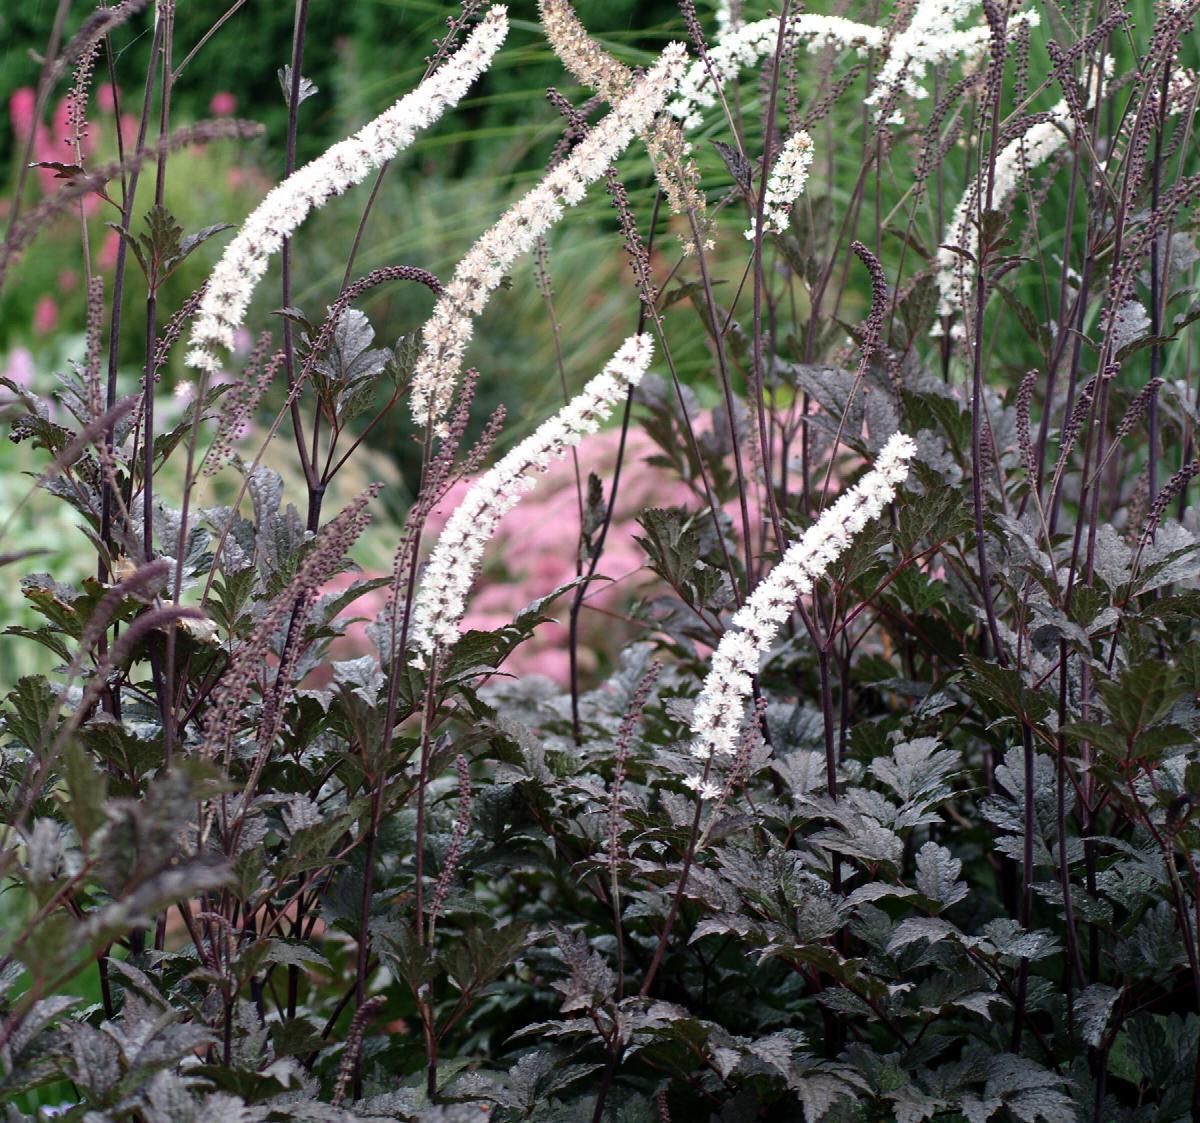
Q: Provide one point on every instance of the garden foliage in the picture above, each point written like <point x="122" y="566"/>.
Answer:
<point x="885" y="803"/>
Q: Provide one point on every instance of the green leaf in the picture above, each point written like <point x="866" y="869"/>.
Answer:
<point x="1141" y="697"/>
<point x="29" y="710"/>
<point x="161" y="242"/>
<point x="1004" y="693"/>
<point x="190" y="243"/>
<point x="937" y="876"/>
<point x="87" y="789"/>
<point x="482" y="953"/>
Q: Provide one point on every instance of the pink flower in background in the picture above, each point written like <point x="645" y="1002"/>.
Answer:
<point x="129" y="129"/>
<point x="45" y="315"/>
<point x="534" y="549"/>
<point x="107" y="257"/>
<point x="49" y="144"/>
<point x="21" y="106"/>
<point x="68" y="280"/>
<point x="533" y="553"/>
<point x="223" y="104"/>
<point x="106" y="98"/>
<point x="18" y="366"/>
<point x="61" y="127"/>
<point x="22" y="112"/>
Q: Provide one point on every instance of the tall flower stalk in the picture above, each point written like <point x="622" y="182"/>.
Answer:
<point x="347" y="163"/>
<point x="721" y="706"/>
<point x="441" y="600"/>
<point x="448" y="331"/>
<point x="1014" y="161"/>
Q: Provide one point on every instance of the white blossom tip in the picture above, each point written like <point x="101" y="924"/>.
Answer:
<point x="246" y="258"/>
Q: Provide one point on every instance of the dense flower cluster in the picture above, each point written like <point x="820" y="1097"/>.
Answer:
<point x="441" y="601"/>
<point x="717" y="718"/>
<point x="932" y="37"/>
<point x="786" y="183"/>
<point x="245" y="260"/>
<point x="1013" y="162"/>
<point x="449" y="329"/>
<point x="746" y="45"/>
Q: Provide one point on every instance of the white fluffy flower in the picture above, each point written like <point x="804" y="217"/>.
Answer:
<point x="441" y="601"/>
<point x="347" y="163"/>
<point x="743" y="46"/>
<point x="932" y="37"/>
<point x="1025" y="153"/>
<point x="448" y="331"/>
<point x="721" y="706"/>
<point x="705" y="789"/>
<point x="786" y="183"/>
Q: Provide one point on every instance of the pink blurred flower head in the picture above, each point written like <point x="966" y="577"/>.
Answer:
<point x="107" y="257"/>
<point x="21" y="106"/>
<point x="18" y="367"/>
<point x="106" y="98"/>
<point x="61" y="131"/>
<point x="223" y="104"/>
<point x="45" y="315"/>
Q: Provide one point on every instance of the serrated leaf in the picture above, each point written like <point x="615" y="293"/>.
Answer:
<point x="1093" y="1008"/>
<point x="305" y="88"/>
<point x="937" y="875"/>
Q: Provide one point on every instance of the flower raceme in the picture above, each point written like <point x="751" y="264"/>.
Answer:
<point x="441" y="600"/>
<point x="1035" y="147"/>
<point x="786" y="183"/>
<point x="448" y="331"/>
<point x="721" y="706"/>
<point x="349" y="162"/>
<point x="744" y="46"/>
<point x="932" y="37"/>
<point x="1014" y="161"/>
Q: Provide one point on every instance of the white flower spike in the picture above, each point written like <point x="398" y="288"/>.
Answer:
<point x="786" y="183"/>
<point x="721" y="706"/>
<point x="441" y="600"/>
<point x="448" y="331"/>
<point x="932" y="37"/>
<point x="245" y="260"/>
